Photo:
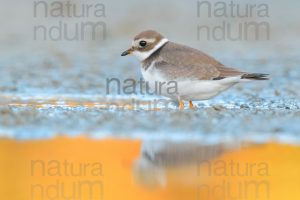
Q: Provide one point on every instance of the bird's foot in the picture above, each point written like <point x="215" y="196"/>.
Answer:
<point x="191" y="105"/>
<point x="181" y="105"/>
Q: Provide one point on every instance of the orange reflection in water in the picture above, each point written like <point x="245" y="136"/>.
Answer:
<point x="112" y="169"/>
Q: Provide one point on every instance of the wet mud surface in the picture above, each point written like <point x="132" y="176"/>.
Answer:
<point x="49" y="88"/>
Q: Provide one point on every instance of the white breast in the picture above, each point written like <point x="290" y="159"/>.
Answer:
<point x="154" y="79"/>
<point x="151" y="74"/>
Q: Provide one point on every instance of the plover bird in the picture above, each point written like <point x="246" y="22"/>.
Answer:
<point x="197" y="75"/>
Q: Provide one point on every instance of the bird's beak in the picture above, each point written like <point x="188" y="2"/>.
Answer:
<point x="127" y="52"/>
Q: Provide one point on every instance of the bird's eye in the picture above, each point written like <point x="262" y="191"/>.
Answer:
<point x="143" y="43"/>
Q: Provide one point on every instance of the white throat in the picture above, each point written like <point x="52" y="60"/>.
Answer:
<point x="144" y="55"/>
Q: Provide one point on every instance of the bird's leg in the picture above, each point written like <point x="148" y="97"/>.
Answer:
<point x="181" y="105"/>
<point x="191" y="105"/>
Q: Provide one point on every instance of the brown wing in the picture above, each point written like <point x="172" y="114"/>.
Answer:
<point x="179" y="61"/>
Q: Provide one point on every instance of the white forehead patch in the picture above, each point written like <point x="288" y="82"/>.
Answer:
<point x="144" y="55"/>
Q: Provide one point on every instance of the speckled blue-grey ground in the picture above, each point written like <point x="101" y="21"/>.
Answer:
<point x="259" y="110"/>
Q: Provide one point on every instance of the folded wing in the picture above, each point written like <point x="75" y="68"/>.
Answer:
<point x="180" y="62"/>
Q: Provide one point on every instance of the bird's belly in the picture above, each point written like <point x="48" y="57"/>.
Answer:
<point x="185" y="89"/>
<point x="203" y="89"/>
<point x="199" y="90"/>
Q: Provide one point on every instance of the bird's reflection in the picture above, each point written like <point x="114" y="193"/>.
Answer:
<point x="159" y="159"/>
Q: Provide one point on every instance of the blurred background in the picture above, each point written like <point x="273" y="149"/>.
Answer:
<point x="41" y="65"/>
<point x="53" y="88"/>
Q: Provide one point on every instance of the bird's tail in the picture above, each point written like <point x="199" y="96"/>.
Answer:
<point x="255" y="76"/>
